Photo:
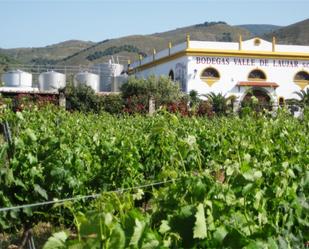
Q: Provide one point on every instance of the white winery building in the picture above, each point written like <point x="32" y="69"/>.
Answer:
<point x="270" y="71"/>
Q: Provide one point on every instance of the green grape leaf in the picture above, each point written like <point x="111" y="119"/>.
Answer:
<point x="108" y="219"/>
<point x="40" y="191"/>
<point x="220" y="234"/>
<point x="138" y="232"/>
<point x="272" y="243"/>
<point x="57" y="241"/>
<point x="117" y="238"/>
<point x="200" y="229"/>
<point x="164" y="227"/>
<point x="252" y="175"/>
<point x="31" y="134"/>
<point x="19" y="115"/>
<point x="256" y="245"/>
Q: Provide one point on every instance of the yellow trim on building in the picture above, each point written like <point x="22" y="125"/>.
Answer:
<point x="209" y="80"/>
<point x="283" y="100"/>
<point x="169" y="48"/>
<point x="249" y="54"/>
<point x="301" y="83"/>
<point x="158" y="62"/>
<point x="274" y="44"/>
<point x="240" y="43"/>
<point x="281" y="97"/>
<point x="188" y="41"/>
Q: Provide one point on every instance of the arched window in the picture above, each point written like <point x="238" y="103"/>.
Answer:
<point x="301" y="79"/>
<point x="302" y="75"/>
<point x="281" y="101"/>
<point x="257" y="75"/>
<point x="210" y="75"/>
<point x="171" y="75"/>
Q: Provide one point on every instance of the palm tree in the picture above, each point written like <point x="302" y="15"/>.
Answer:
<point x="218" y="101"/>
<point x="304" y="96"/>
<point x="193" y="97"/>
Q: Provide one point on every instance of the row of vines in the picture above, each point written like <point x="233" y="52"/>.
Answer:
<point x="225" y="182"/>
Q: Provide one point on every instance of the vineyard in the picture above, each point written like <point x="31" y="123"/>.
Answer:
<point x="163" y="181"/>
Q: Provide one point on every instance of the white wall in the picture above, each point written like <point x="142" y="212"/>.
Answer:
<point x="214" y="45"/>
<point x="178" y="66"/>
<point x="248" y="45"/>
<point x="233" y="72"/>
<point x="161" y="54"/>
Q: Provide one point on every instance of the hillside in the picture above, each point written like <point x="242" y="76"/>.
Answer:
<point x="131" y="46"/>
<point x="75" y="52"/>
<point x="297" y="34"/>
<point x="4" y="61"/>
<point x="48" y="54"/>
<point x="259" y="29"/>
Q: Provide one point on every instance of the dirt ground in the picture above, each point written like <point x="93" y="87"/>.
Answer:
<point x="41" y="233"/>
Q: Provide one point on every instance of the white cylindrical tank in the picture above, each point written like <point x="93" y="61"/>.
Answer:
<point x="51" y="81"/>
<point x="108" y="72"/>
<point x="17" y="78"/>
<point x="88" y="79"/>
<point x="118" y="82"/>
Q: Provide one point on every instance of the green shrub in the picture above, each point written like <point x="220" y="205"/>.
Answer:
<point x="137" y="92"/>
<point x="112" y="103"/>
<point x="81" y="98"/>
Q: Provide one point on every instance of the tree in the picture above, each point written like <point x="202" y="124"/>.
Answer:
<point x="137" y="92"/>
<point x="219" y="102"/>
<point x="112" y="103"/>
<point x="193" y="98"/>
<point x="304" y="97"/>
<point x="226" y="37"/>
<point x="81" y="98"/>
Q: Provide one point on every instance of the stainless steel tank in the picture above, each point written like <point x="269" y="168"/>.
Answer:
<point x="51" y="81"/>
<point x="88" y="79"/>
<point x="17" y="78"/>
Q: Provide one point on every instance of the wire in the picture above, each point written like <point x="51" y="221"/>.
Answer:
<point x="93" y="196"/>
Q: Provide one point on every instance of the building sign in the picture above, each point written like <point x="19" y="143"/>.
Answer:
<point x="251" y="62"/>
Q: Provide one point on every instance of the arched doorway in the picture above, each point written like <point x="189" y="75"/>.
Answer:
<point x="171" y="75"/>
<point x="257" y="98"/>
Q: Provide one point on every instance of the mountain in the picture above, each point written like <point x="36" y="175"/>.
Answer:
<point x="48" y="54"/>
<point x="297" y="34"/>
<point x="130" y="47"/>
<point x="259" y="29"/>
<point x="5" y="61"/>
<point x="121" y="49"/>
